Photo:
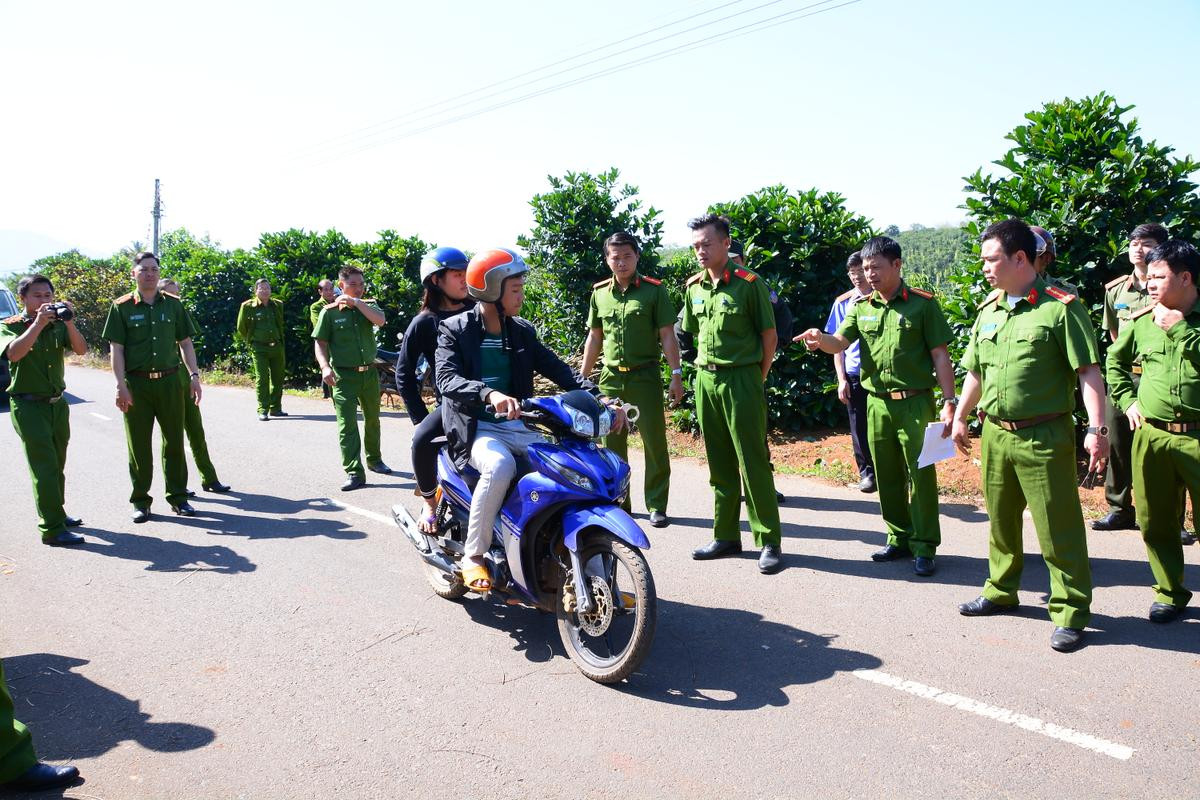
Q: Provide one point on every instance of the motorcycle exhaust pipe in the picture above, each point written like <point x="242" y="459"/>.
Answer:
<point x="406" y="523"/>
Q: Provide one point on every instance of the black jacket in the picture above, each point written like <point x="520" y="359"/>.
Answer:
<point x="458" y="367"/>
<point x="419" y="340"/>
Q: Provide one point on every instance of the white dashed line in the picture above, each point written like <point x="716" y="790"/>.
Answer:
<point x="1077" y="738"/>
<point x="99" y="416"/>
<point x="362" y="512"/>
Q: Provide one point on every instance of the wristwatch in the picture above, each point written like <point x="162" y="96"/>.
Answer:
<point x="677" y="371"/>
<point x="1099" y="430"/>
<point x="951" y="400"/>
<point x="196" y="375"/>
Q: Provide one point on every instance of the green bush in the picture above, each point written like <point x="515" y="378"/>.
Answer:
<point x="91" y="284"/>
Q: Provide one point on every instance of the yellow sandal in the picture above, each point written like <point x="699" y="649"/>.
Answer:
<point x="476" y="578"/>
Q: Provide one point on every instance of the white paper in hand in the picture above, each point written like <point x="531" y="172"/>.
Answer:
<point x="935" y="448"/>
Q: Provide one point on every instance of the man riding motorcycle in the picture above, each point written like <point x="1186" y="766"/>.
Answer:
<point x="486" y="356"/>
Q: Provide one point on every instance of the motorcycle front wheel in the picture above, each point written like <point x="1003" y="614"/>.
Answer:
<point x="610" y="642"/>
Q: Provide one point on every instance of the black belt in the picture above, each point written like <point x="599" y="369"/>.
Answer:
<point x="715" y="367"/>
<point x="1019" y="424"/>
<point x="363" y="368"/>
<point x="162" y="373"/>
<point x="1175" y="427"/>
<point x="647" y="365"/>
<point x="902" y="394"/>
<point x="265" y="344"/>
<point x="38" y="398"/>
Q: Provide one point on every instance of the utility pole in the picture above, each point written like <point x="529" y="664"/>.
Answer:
<point x="157" y="213"/>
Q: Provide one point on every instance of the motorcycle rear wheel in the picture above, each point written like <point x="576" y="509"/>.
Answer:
<point x="626" y="609"/>
<point x="447" y="587"/>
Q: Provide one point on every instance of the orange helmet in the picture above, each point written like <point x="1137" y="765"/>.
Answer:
<point x="488" y="270"/>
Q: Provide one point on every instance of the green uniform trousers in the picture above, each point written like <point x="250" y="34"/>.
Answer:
<point x="156" y="400"/>
<point x="44" y="430"/>
<point x="643" y="388"/>
<point x="193" y="426"/>
<point x="16" y="745"/>
<point x="268" y="377"/>
<point x="354" y="389"/>
<point x="1163" y="465"/>
<point x="732" y="412"/>
<point x="908" y="497"/>
<point x="1035" y="466"/>
<point x="1118" y="479"/>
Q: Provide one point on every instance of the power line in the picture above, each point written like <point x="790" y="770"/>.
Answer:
<point x="744" y="30"/>
<point x="409" y="119"/>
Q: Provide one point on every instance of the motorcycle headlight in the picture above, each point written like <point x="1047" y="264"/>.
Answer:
<point x="576" y="478"/>
<point x="582" y="423"/>
<point x="606" y="418"/>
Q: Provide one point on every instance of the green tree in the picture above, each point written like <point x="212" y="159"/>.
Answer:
<point x="91" y="284"/>
<point x="571" y="221"/>
<point x="392" y="267"/>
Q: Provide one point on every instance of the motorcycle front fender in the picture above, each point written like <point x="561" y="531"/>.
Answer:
<point x="611" y="518"/>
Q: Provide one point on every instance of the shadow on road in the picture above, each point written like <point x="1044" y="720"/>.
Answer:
<point x="165" y="555"/>
<point x="72" y="717"/>
<point x="263" y="516"/>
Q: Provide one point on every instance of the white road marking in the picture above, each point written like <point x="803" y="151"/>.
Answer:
<point x="362" y="512"/>
<point x="99" y="416"/>
<point x="1077" y="738"/>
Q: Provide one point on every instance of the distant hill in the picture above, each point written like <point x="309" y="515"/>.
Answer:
<point x="931" y="251"/>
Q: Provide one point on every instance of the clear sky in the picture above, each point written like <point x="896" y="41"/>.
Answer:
<point x="234" y="106"/>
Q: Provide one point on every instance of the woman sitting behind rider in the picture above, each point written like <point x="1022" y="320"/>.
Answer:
<point x="443" y="275"/>
<point x="487" y="357"/>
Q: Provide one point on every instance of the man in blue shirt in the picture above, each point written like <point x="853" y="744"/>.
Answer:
<point x="848" y="365"/>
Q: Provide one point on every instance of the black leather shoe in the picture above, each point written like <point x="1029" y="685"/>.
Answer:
<point x="184" y="509"/>
<point x="771" y="560"/>
<point x="215" y="488"/>
<point x="262" y="417"/>
<point x="279" y="412"/>
<point x="659" y="520"/>
<point x="779" y="498"/>
<point x="1064" y="640"/>
<point x="716" y="549"/>
<point x="64" y="539"/>
<point x="43" y="776"/>
<point x="891" y="552"/>
<point x="982" y="607"/>
<point x="380" y="467"/>
<point x="1165" y="612"/>
<point x="1116" y="521"/>
<point x="354" y="482"/>
<point x="141" y="515"/>
<point x="191" y="492"/>
<point x="1186" y="538"/>
<point x="867" y="485"/>
<point x="73" y="522"/>
<point x="924" y="566"/>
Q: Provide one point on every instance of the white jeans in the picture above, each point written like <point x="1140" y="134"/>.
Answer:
<point x="493" y="454"/>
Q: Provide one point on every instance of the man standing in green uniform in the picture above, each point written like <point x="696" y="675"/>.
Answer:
<point x="1029" y="343"/>
<point x="20" y="770"/>
<point x="193" y="423"/>
<point x="1164" y="411"/>
<point x="345" y="347"/>
<point x="260" y="324"/>
<point x="728" y="310"/>
<point x="34" y="343"/>
<point x="148" y="330"/>
<point x="904" y="335"/>
<point x="629" y="316"/>
<point x="326" y="295"/>
<point x="1124" y="297"/>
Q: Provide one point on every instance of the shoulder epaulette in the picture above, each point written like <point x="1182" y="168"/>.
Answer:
<point x="125" y="298"/>
<point x="861" y="298"/>
<point x="248" y="302"/>
<point x="745" y="274"/>
<point x="368" y="299"/>
<point x="174" y="296"/>
<point x="1059" y="294"/>
<point x="602" y="284"/>
<point x="991" y="298"/>
<point x="1134" y="315"/>
<point x="846" y="295"/>
<point x="695" y="278"/>
<point x="921" y="293"/>
<point x="12" y="320"/>
<point x="652" y="281"/>
<point x="1116" y="282"/>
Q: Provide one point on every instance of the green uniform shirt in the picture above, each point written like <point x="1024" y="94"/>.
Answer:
<point x="1026" y="355"/>
<point x="1123" y="299"/>
<point x="350" y="335"/>
<point x="1170" y="384"/>
<point x="631" y="320"/>
<point x="897" y="337"/>
<point x="150" y="333"/>
<point x="41" y="370"/>
<point x="315" y="310"/>
<point x="728" y="317"/>
<point x="261" y="323"/>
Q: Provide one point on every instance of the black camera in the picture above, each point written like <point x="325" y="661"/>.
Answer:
<point x="62" y="312"/>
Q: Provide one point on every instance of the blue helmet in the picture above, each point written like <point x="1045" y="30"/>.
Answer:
<point x="442" y="258"/>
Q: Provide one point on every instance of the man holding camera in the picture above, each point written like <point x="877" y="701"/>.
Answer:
<point x="34" y="343"/>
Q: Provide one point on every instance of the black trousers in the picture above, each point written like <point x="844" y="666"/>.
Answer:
<point x="426" y="442"/>
<point x="858" y="427"/>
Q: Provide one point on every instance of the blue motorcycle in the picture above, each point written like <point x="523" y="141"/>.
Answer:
<point x="562" y="542"/>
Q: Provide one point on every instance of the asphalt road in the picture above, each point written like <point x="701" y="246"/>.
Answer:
<point x="278" y="646"/>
